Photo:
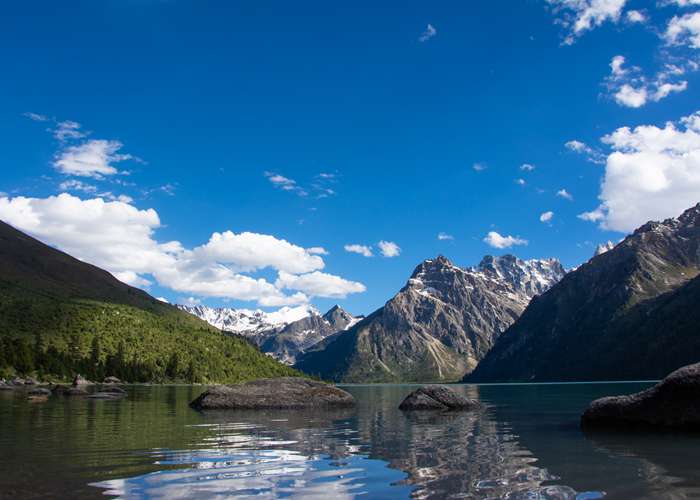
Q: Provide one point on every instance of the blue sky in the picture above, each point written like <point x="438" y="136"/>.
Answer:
<point x="375" y="113"/>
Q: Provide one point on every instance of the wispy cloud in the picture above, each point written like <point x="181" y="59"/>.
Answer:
<point x="428" y="33"/>
<point x="94" y="158"/>
<point x="445" y="237"/>
<point x="592" y="155"/>
<point x="579" y="16"/>
<point x="36" y="117"/>
<point x="68" y="130"/>
<point x="479" y="167"/>
<point x="527" y="167"/>
<point x="547" y="217"/>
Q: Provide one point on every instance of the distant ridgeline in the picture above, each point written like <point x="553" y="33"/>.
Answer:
<point x="60" y="316"/>
<point x="631" y="312"/>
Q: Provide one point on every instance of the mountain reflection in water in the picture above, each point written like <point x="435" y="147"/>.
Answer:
<point x="525" y="444"/>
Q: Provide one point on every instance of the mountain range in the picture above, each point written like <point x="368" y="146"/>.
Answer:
<point x="59" y="316"/>
<point x="631" y="312"/>
<point x="438" y="327"/>
<point x="284" y="334"/>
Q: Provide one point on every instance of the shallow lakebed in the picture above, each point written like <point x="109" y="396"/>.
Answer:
<point x="527" y="443"/>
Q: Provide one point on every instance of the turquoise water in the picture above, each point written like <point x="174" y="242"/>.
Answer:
<point x="527" y="444"/>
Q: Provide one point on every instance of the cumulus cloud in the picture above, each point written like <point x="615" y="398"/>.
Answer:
<point x="429" y="33"/>
<point x="546" y="217"/>
<point x="93" y="158"/>
<point x="563" y="193"/>
<point x="635" y="16"/>
<point x="684" y="30"/>
<point x="632" y="89"/>
<point x="652" y="173"/>
<point x="389" y="248"/>
<point x="319" y="284"/>
<point x="495" y="240"/>
<point x="119" y="237"/>
<point x="364" y="250"/>
<point x="444" y="236"/>
<point x="520" y="182"/>
<point x="579" y="16"/>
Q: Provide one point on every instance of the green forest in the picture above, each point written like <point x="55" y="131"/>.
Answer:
<point x="55" y="338"/>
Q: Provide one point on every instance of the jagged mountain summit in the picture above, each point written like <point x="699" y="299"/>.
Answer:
<point x="631" y="312"/>
<point x="604" y="247"/>
<point x="438" y="327"/>
<point x="284" y="334"/>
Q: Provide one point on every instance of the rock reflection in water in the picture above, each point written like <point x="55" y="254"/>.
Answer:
<point x="374" y="450"/>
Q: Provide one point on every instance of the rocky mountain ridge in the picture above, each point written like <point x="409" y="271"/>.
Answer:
<point x="628" y="313"/>
<point x="439" y="325"/>
<point x="285" y="333"/>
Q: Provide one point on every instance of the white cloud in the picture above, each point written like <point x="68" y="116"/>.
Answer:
<point x="635" y="16"/>
<point x="546" y="217"/>
<point x="444" y="236"/>
<point x="120" y="238"/>
<point x="495" y="240"/>
<point x="317" y="251"/>
<point x="36" y="117"/>
<point x="632" y="89"/>
<point x="68" y="129"/>
<point x="563" y="193"/>
<point x="285" y="183"/>
<point x="90" y="159"/>
<point x="652" y="173"/>
<point x="579" y="16"/>
<point x="527" y="167"/>
<point x="319" y="284"/>
<point x="520" y="182"/>
<point x="76" y="185"/>
<point x="247" y="252"/>
<point x="478" y="167"/>
<point x="389" y="248"/>
<point x="363" y="250"/>
<point x="429" y="33"/>
<point x="631" y="97"/>
<point x="592" y="155"/>
<point x="684" y="30"/>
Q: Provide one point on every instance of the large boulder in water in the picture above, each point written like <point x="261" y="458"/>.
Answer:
<point x="79" y="380"/>
<point x="437" y="397"/>
<point x="274" y="393"/>
<point x="111" y="380"/>
<point x="674" y="403"/>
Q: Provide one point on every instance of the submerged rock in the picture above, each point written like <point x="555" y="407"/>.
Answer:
<point x="114" y="390"/>
<point x="107" y="395"/>
<point x="39" y="391"/>
<point x="64" y="390"/>
<point x="437" y="397"/>
<point x="674" y="403"/>
<point x="284" y="392"/>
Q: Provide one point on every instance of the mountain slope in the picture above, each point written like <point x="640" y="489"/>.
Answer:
<point x="284" y="334"/>
<point x="438" y="326"/>
<point x="630" y="312"/>
<point x="59" y="315"/>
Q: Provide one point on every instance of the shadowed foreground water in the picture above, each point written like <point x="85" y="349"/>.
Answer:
<point x="527" y="444"/>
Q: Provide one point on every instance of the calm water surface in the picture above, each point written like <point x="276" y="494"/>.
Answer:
<point x="526" y="445"/>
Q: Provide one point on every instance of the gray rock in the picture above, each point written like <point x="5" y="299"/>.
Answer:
<point x="17" y="381"/>
<point x="112" y="380"/>
<point x="30" y="381"/>
<point x="437" y="397"/>
<point x="674" y="403"/>
<point x="284" y="392"/>
<point x="39" y="391"/>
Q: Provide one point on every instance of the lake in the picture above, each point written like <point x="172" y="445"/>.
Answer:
<point x="527" y="444"/>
